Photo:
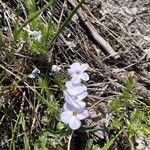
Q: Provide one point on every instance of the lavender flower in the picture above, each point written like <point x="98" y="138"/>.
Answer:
<point x="72" y="116"/>
<point x="74" y="108"/>
<point x="77" y="73"/>
<point x="56" y="68"/>
<point x="75" y="89"/>
<point x="76" y="101"/>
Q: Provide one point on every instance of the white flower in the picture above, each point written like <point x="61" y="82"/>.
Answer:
<point x="75" y="89"/>
<point x="34" y="73"/>
<point x="77" y="73"/>
<point x="56" y="68"/>
<point x="75" y="93"/>
<point x="72" y="116"/>
<point x="76" y="101"/>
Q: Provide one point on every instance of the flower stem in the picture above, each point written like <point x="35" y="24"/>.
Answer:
<point x="69" y="142"/>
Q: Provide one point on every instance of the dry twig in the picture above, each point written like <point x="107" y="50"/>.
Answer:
<point x="94" y="32"/>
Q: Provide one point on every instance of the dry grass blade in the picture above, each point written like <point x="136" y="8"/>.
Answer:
<point x="94" y="32"/>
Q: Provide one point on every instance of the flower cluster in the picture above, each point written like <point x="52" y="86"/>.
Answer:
<point x="75" y="93"/>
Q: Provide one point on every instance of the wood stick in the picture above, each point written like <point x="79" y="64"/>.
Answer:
<point x="94" y="32"/>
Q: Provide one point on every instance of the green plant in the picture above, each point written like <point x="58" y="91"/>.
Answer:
<point x="34" y="22"/>
<point x="129" y="114"/>
<point x="52" y="139"/>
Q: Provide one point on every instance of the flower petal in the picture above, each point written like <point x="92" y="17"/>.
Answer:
<point x="74" y="123"/>
<point x="84" y="76"/>
<point x="76" y="104"/>
<point x="84" y="67"/>
<point x="68" y="107"/>
<point x="76" y="90"/>
<point x="69" y="84"/>
<point x="73" y="68"/>
<point x="37" y="35"/>
<point x="79" y="97"/>
<point x="80" y="105"/>
<point x="76" y="79"/>
<point x="84" y="114"/>
<point x="82" y="96"/>
<point x="66" y="116"/>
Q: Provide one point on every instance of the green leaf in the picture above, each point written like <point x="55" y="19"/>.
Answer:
<point x="32" y="17"/>
<point x="43" y="84"/>
<point x="89" y="144"/>
<point x="37" y="47"/>
<point x="30" y="4"/>
<point x="59" y="79"/>
<point x="65" y="23"/>
<point x="60" y="126"/>
<point x="96" y="147"/>
<point x="116" y="123"/>
<point x="109" y="143"/>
